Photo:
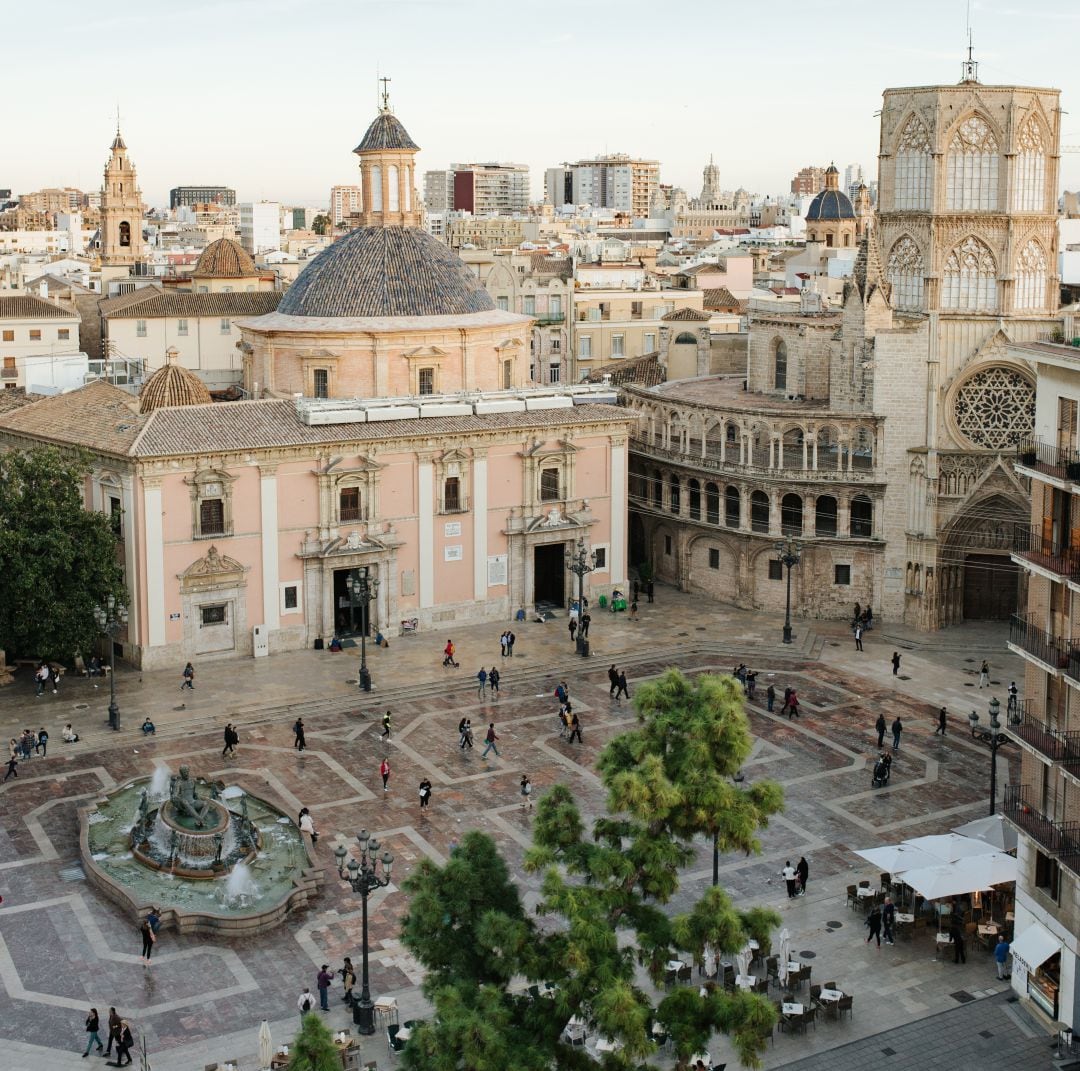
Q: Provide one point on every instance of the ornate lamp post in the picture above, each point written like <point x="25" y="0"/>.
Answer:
<point x="363" y="878"/>
<point x="994" y="738"/>
<point x="362" y="589"/>
<point x="788" y="551"/>
<point x="112" y="620"/>
<point x="580" y="562"/>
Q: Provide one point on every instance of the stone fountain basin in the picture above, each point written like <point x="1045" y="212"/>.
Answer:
<point x="284" y="869"/>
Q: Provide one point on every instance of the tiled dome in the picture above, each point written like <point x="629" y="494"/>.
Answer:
<point x="830" y="204"/>
<point x="386" y="132"/>
<point x="386" y="271"/>
<point x="225" y="259"/>
<point x="172" y="385"/>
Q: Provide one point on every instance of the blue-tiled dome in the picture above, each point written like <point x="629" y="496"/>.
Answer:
<point x="386" y="271"/>
<point x="830" y="204"/>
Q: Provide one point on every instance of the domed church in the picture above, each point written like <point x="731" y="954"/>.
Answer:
<point x="831" y="219"/>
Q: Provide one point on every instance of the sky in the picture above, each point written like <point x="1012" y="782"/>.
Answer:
<point x="271" y="96"/>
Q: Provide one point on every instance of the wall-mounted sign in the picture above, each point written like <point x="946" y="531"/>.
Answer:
<point x="497" y="571"/>
<point x="452" y="528"/>
<point x="453" y="553"/>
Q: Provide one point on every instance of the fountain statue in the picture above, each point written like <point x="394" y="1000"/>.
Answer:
<point x="185" y="799"/>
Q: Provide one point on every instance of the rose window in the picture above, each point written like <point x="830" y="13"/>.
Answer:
<point x="995" y="408"/>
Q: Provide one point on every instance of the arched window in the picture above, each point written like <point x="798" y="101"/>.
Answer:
<point x="791" y="515"/>
<point x="1029" y="169"/>
<point x="862" y="517"/>
<point x="685" y="339"/>
<point x="971" y="168"/>
<point x="825" y="516"/>
<point x="392" y="187"/>
<point x="759" y="512"/>
<point x="657" y="489"/>
<point x="732" y="507"/>
<point x="970" y="278"/>
<point x="1031" y="277"/>
<point x="905" y="273"/>
<point x="913" y="172"/>
<point x="695" y="500"/>
<point x="780" y="365"/>
<point x="712" y="503"/>
<point x="125" y="233"/>
<point x="675" y="494"/>
<point x="376" y="188"/>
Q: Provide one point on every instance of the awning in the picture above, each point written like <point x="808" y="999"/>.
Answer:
<point x="1035" y="945"/>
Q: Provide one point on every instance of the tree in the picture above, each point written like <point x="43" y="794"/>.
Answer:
<point x="57" y="558"/>
<point x="606" y="895"/>
<point x="313" y="1048"/>
<point x="321" y="223"/>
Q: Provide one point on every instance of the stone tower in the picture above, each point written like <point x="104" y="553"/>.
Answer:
<point x="121" y="211"/>
<point x="710" y="188"/>
<point x="387" y="173"/>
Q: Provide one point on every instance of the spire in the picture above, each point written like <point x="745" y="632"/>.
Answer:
<point x="969" y="69"/>
<point x="868" y="273"/>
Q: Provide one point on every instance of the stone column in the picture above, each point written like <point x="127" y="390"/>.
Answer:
<point x="268" y="505"/>
<point x="426" y="517"/>
<point x="843" y="516"/>
<point x="480" y="525"/>
<point x="155" y="563"/>
<point x="617" y="556"/>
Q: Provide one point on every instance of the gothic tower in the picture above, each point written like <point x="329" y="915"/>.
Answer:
<point x="121" y="211"/>
<point x="710" y="189"/>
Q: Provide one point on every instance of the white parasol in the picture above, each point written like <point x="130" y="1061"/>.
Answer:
<point x="948" y="847"/>
<point x="896" y="858"/>
<point x="962" y="876"/>
<point x="710" y="962"/>
<point x="784" y="954"/>
<point x="994" y="831"/>
<point x="266" y="1045"/>
<point x="742" y="960"/>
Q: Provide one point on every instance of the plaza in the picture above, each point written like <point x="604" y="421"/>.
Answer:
<point x="63" y="949"/>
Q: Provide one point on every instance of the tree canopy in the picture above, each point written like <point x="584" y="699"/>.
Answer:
<point x="313" y="1047"/>
<point x="321" y="223"/>
<point x="607" y="933"/>
<point x="57" y="558"/>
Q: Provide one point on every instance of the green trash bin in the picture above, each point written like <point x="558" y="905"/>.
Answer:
<point x="603" y="601"/>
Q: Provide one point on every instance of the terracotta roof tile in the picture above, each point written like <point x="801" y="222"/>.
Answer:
<point x="99" y="416"/>
<point x="32" y="307"/>
<point x="643" y="371"/>
<point x="720" y="298"/>
<point x="688" y="314"/>
<point x="150" y="303"/>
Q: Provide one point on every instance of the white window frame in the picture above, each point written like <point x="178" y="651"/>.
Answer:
<point x="282" y="608"/>
<point x="606" y="549"/>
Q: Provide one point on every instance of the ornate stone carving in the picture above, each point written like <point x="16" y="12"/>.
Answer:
<point x="970" y="277"/>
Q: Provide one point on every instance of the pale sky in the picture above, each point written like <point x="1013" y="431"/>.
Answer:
<point x="271" y="96"/>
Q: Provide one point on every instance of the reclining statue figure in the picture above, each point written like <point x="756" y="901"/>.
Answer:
<point x="185" y="800"/>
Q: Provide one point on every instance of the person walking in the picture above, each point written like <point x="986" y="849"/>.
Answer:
<point x="448" y="654"/>
<point x="306" y="1001"/>
<point x="792" y="704"/>
<point x="489" y="741"/>
<point x="481" y="682"/>
<point x="124" y="1042"/>
<point x="881" y="726"/>
<point x="41" y="747"/>
<point x="146" y="932"/>
<point x="649" y="590"/>
<point x="189" y="678"/>
<point x="54" y="676"/>
<point x="1011" y="703"/>
<point x="348" y="980"/>
<point x="504" y="643"/>
<point x="324" y="979"/>
<point x="562" y="694"/>
<point x="858" y="637"/>
<point x="984" y="674"/>
<point x="895" y="663"/>
<point x="586" y="621"/>
<point x="384" y="773"/>
<point x="613" y="679"/>
<point x="464" y="734"/>
<point x="93" y="1026"/>
<point x="956" y="935"/>
<point x="941" y="720"/>
<point x="633" y="610"/>
<point x="526" y="793"/>
<point x="873" y="924"/>
<point x="888" y="919"/>
<point x="12" y="765"/>
<point x="494" y="676"/>
<point x="622" y="689"/>
<point x="897" y="729"/>
<point x="425" y="794"/>
<point x="228" y="749"/>
<point x="572" y="626"/>
<point x="1001" y="956"/>
<point x="803" y="868"/>
<point x="770" y="697"/>
<point x="41" y="678"/>
<point x="790" y="876"/>
<point x="386" y="726"/>
<point x="114" y="1031"/>
<point x="575" y="729"/>
<point x="300" y="743"/>
<point x="510" y="639"/>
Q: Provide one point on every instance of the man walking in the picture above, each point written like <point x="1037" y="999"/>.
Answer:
<point x="189" y="678"/>
<point x="895" y="663"/>
<point x="897" y="729"/>
<point x="802" y="868"/>
<point x="448" y="654"/>
<point x="572" y="626"/>
<point x="503" y="643"/>
<point x="386" y="726"/>
<point x="622" y="689"/>
<point x="873" y="924"/>
<point x="489" y="741"/>
<point x="1011" y="703"/>
<point x="613" y="678"/>
<point x="770" y="697"/>
<point x="465" y="732"/>
<point x="306" y="1001"/>
<point x="984" y="674"/>
<point x="510" y="638"/>
<point x="231" y="739"/>
<point x="298" y="732"/>
<point x="1001" y="956"/>
<point x="323" y="980"/>
<point x="575" y="729"/>
<point x="789" y="874"/>
<point x="858" y="638"/>
<point x="941" y="718"/>
<point x="956" y="935"/>
<point x="649" y="590"/>
<point x="114" y="1031"/>
<point x="384" y="773"/>
<point x="881" y="726"/>
<point x="481" y="683"/>
<point x="586" y="621"/>
<point x="42" y="745"/>
<point x="425" y="794"/>
<point x="493" y="681"/>
<point x="888" y="919"/>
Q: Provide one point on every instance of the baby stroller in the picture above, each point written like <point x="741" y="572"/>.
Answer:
<point x="882" y="769"/>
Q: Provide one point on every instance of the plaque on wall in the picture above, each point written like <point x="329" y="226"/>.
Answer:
<point x="452" y="528"/>
<point x="496" y="571"/>
<point x="453" y="553"/>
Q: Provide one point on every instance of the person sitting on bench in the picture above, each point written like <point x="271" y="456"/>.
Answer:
<point x="148" y="727"/>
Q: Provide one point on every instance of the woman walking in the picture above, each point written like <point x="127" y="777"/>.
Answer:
<point x="124" y="1043"/>
<point x="298" y="732"/>
<point x="189" y="678"/>
<point x="384" y="773"/>
<point x="526" y="793"/>
<point x="148" y="939"/>
<point x="93" y="1025"/>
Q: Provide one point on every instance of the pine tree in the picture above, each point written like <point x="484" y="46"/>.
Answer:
<point x="313" y="1048"/>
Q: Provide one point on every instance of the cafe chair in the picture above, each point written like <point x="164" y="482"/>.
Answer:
<point x="729" y="976"/>
<point x="761" y="985"/>
<point x="810" y="1016"/>
<point x="685" y="973"/>
<point x="844" y="1005"/>
<point x="575" y="1033"/>
<point x="829" y="985"/>
<point x="772" y="968"/>
<point x="815" y="994"/>
<point x="886" y="882"/>
<point x="852" y="897"/>
<point x="670" y="977"/>
<point x="394" y="1044"/>
<point x="865" y="884"/>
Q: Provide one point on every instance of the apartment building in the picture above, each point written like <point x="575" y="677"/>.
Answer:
<point x="34" y="330"/>
<point x="260" y="224"/>
<point x="189" y="196"/>
<point x="483" y="189"/>
<point x="345" y="201"/>
<point x="617" y="181"/>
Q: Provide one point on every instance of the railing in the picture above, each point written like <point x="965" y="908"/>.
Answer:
<point x="1056" y="838"/>
<point x="550" y="317"/>
<point x="1032" y="545"/>
<point x="1072" y="665"/>
<point x="350" y="513"/>
<point x="1061" y="462"/>
<point x="1052" y="650"/>
<point x="1057" y="745"/>
<point x="9" y="373"/>
<point x="460" y="504"/>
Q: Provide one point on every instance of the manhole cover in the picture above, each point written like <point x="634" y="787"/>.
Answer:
<point x="888" y="1052"/>
<point x="969" y="659"/>
<point x="72" y="873"/>
<point x="808" y="955"/>
<point x="963" y="996"/>
<point x="834" y="925"/>
<point x="995" y="682"/>
<point x="701" y="628"/>
<point x="81" y="706"/>
<point x="353" y="680"/>
<point x="834" y="645"/>
<point x="682" y="633"/>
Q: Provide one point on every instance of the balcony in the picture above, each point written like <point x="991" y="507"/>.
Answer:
<point x="454" y="504"/>
<point x="1056" y="745"/>
<point x="1058" y="462"/>
<point x="1032" y="547"/>
<point x="9" y="373"/>
<point x="1029" y="639"/>
<point x="546" y="318"/>
<point x="1055" y="838"/>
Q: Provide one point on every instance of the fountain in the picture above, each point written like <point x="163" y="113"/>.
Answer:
<point x="211" y="857"/>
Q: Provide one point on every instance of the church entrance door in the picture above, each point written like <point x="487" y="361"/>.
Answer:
<point x="349" y="620"/>
<point x="549" y="575"/>
<point x="990" y="587"/>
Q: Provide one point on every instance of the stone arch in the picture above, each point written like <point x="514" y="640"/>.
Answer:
<point x="906" y="272"/>
<point x="793" y="447"/>
<point x="791" y="514"/>
<point x="913" y="167"/>
<point x="830" y="453"/>
<point x="732" y="507"/>
<point x="761" y="435"/>
<point x="1030" y="274"/>
<point x="993" y="406"/>
<point x="712" y="503"/>
<point x="1028" y="192"/>
<point x="825" y="516"/>
<point x="972" y="158"/>
<point x="969" y="277"/>
<point x="779" y="364"/>
<point x="862" y="447"/>
<point x="714" y="566"/>
<point x="714" y="439"/>
<point x="760" y="512"/>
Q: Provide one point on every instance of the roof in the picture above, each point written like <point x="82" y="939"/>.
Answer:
<point x="251" y="425"/>
<point x="172" y="384"/>
<point x="830" y="204"/>
<point x="16" y="398"/>
<point x="150" y="302"/>
<point x="643" y="371"/>
<point x="99" y="416"/>
<point x="720" y="298"/>
<point x="225" y="259"/>
<point x="32" y="307"/>
<point x="695" y="315"/>
<point x="58" y="282"/>
<point x="386" y="271"/>
<point x="694" y="269"/>
<point x="543" y="264"/>
<point x="386" y="132"/>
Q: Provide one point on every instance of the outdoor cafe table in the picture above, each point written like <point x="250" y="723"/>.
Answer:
<point x="903" y="918"/>
<point x="404" y="1033"/>
<point x="864" y="891"/>
<point x="829" y="995"/>
<point x="989" y="929"/>
<point x="745" y="981"/>
<point x="608" y="1045"/>
<point x="675" y="965"/>
<point x="791" y="1009"/>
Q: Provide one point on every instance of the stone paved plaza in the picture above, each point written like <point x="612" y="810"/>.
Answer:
<point x="63" y="948"/>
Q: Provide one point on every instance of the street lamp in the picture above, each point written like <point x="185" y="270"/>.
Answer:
<point x="112" y="620"/>
<point x="580" y="562"/>
<point x="363" y="878"/>
<point x="788" y="551"/>
<point x="362" y="589"/>
<point x="994" y="738"/>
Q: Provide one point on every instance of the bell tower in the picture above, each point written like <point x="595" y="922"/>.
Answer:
<point x="121" y="210"/>
<point x="387" y="171"/>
